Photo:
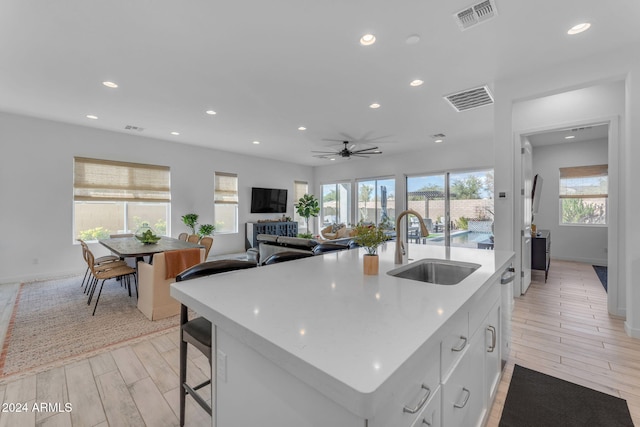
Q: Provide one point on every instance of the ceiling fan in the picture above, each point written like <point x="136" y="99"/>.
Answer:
<point x="347" y="152"/>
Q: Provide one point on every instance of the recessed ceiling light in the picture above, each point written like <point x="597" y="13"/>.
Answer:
<point x="112" y="85"/>
<point x="438" y="141"/>
<point x="333" y="158"/>
<point x="92" y="117"/>
<point x="211" y="112"/>
<point x="416" y="82"/>
<point x="302" y="128"/>
<point x="367" y="40"/>
<point x="175" y="133"/>
<point x="412" y="39"/>
<point x="374" y="105"/>
<point x="569" y="137"/>
<point x="256" y="142"/>
<point x="576" y="29"/>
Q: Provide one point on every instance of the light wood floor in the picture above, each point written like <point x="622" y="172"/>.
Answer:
<point x="560" y="328"/>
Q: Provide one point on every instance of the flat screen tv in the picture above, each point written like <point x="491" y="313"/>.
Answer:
<point x="268" y="200"/>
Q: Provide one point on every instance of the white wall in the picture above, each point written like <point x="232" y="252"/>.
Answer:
<point x="620" y="65"/>
<point x="36" y="189"/>
<point x="575" y="243"/>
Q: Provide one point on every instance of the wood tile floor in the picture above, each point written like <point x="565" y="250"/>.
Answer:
<point x="560" y="328"/>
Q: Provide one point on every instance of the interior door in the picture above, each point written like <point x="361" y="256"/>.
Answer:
<point x="527" y="186"/>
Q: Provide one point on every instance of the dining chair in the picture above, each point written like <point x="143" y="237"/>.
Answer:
<point x="183" y="236"/>
<point x="207" y="242"/>
<point x="124" y="272"/>
<point x="193" y="238"/>
<point x="197" y="331"/>
<point x="99" y="262"/>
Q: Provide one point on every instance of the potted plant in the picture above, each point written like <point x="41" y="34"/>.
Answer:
<point x="206" y="230"/>
<point x="370" y="237"/>
<point x="306" y="207"/>
<point x="190" y="220"/>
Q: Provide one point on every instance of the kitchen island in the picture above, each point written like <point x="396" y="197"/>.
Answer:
<point x="315" y="342"/>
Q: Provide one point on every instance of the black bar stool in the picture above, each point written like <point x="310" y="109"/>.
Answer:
<point x="197" y="332"/>
<point x="286" y="256"/>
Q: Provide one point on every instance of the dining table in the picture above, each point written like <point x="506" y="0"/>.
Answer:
<point x="130" y="247"/>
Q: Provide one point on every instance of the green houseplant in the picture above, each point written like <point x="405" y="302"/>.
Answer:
<point x="370" y="237"/>
<point x="190" y="220"/>
<point x="306" y="207"/>
<point x="206" y="230"/>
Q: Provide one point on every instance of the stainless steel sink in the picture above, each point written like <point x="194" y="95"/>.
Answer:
<point x="436" y="271"/>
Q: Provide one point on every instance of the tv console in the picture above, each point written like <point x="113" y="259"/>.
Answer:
<point x="278" y="228"/>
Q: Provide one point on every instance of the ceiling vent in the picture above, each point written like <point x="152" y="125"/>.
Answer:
<point x="471" y="98"/>
<point x="130" y="127"/>
<point x="475" y="14"/>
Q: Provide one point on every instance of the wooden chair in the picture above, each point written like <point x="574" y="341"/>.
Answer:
<point x="197" y="332"/>
<point x="193" y="238"/>
<point x="183" y="236"/>
<point x="207" y="242"/>
<point x="106" y="273"/>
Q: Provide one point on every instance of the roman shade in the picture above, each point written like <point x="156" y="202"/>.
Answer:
<point x="108" y="180"/>
<point x="584" y="182"/>
<point x="226" y="188"/>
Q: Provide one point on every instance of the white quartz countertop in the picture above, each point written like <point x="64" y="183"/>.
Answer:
<point x="327" y="323"/>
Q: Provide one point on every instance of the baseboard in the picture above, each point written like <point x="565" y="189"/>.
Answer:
<point x="591" y="261"/>
<point x="632" y="332"/>
<point x="41" y="276"/>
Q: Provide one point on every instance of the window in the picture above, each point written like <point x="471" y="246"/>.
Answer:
<point x="377" y="201"/>
<point x="336" y="203"/>
<point x="583" y="195"/>
<point x="111" y="197"/>
<point x="469" y="205"/>
<point x="300" y="188"/>
<point x="226" y="202"/>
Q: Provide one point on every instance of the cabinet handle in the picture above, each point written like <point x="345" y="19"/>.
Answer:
<point x="464" y="344"/>
<point x="492" y="347"/>
<point x="421" y="403"/>
<point x="455" y="405"/>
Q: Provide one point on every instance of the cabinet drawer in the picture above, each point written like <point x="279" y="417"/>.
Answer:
<point x="413" y="392"/>
<point x="431" y="414"/>
<point x="454" y="342"/>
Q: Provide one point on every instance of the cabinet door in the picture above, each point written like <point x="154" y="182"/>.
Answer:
<point x="492" y="348"/>
<point x="463" y="394"/>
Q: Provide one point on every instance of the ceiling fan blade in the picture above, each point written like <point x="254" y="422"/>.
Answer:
<point x="333" y="140"/>
<point x="352" y="146"/>
<point x="327" y="152"/>
<point x="360" y="155"/>
<point x="363" y="150"/>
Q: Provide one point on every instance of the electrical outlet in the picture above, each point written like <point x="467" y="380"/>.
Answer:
<point x="221" y="366"/>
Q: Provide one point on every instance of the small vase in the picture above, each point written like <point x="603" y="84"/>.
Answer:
<point x="370" y="262"/>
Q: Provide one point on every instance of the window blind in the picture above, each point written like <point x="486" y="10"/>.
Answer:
<point x="108" y="180"/>
<point x="300" y="188"/>
<point x="584" y="182"/>
<point x="226" y="188"/>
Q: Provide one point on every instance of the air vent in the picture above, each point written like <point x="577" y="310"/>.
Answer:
<point x="471" y="98"/>
<point x="475" y="14"/>
<point x="130" y="127"/>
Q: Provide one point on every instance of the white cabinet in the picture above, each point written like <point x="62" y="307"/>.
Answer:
<point x="463" y="394"/>
<point x="492" y="346"/>
<point x="431" y="415"/>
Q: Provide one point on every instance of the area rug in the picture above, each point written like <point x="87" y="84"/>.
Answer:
<point x="601" y="271"/>
<point x="52" y="323"/>
<point x="537" y="399"/>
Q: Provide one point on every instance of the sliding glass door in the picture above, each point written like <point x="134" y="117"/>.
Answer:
<point x="464" y="218"/>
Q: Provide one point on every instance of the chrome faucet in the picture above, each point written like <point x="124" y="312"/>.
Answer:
<point x="400" y="251"/>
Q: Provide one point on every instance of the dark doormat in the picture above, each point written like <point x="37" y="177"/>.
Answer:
<point x="536" y="399"/>
<point x="601" y="271"/>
